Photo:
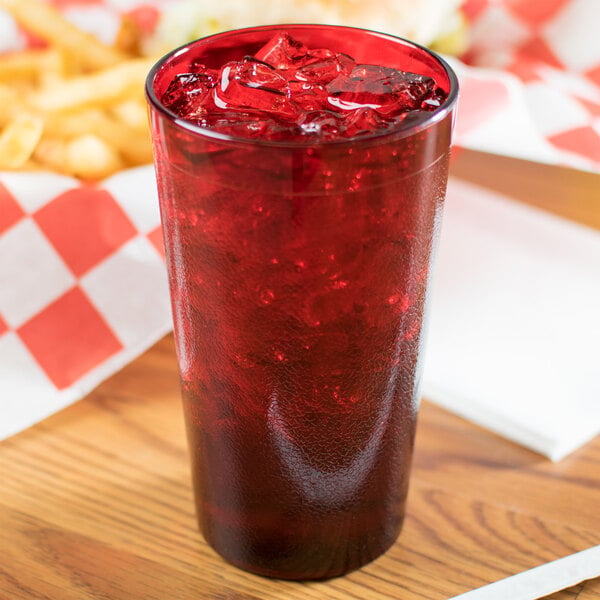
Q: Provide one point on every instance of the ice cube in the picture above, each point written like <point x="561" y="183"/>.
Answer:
<point x="255" y="86"/>
<point x="309" y="96"/>
<point x="288" y="91"/>
<point x="366" y="120"/>
<point x="385" y="89"/>
<point x="432" y="100"/>
<point x="188" y="92"/>
<point x="250" y="124"/>
<point x="367" y="86"/>
<point x="321" y="68"/>
<point x="412" y="90"/>
<point x="282" y="52"/>
<point x="323" y="124"/>
<point x="319" y="65"/>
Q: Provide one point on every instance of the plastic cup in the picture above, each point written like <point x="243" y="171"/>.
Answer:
<point x="298" y="276"/>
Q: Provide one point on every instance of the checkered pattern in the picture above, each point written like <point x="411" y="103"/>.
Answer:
<point x="553" y="49"/>
<point x="83" y="288"/>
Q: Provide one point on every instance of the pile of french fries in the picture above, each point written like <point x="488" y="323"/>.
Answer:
<point x="75" y="106"/>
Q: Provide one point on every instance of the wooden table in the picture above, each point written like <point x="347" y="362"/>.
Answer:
<point x="96" y="503"/>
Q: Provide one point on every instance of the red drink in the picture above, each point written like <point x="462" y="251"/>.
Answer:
<point x="299" y="245"/>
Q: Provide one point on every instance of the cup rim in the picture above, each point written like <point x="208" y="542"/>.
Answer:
<point x="401" y="132"/>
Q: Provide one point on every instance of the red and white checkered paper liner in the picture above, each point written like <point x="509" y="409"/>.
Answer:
<point x="83" y="288"/>
<point x="536" y="93"/>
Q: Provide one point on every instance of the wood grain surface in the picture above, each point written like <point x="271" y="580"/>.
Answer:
<point x="96" y="503"/>
<point x="560" y="190"/>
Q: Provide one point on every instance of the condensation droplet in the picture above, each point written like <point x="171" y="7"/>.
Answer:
<point x="267" y="296"/>
<point x="402" y="301"/>
<point x="340" y="284"/>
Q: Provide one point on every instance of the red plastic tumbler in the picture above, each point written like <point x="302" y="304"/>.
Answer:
<point x="298" y="275"/>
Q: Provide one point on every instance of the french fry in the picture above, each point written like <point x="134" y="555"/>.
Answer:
<point x="132" y="144"/>
<point x="9" y="100"/>
<point x="45" y="21"/>
<point x="66" y="125"/>
<point x="46" y="67"/>
<point x="129" y="37"/>
<point x="90" y="157"/>
<point x="22" y="65"/>
<point x="55" y="68"/>
<point x="137" y="150"/>
<point x="88" y="98"/>
<point x="132" y="112"/>
<point x="19" y="140"/>
<point x="52" y="153"/>
<point x="85" y="156"/>
<point x="95" y="89"/>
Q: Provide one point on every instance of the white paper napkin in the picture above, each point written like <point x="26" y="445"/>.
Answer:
<point x="514" y="336"/>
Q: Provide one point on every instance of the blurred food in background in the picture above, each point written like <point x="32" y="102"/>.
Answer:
<point x="438" y="23"/>
<point x="74" y="104"/>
